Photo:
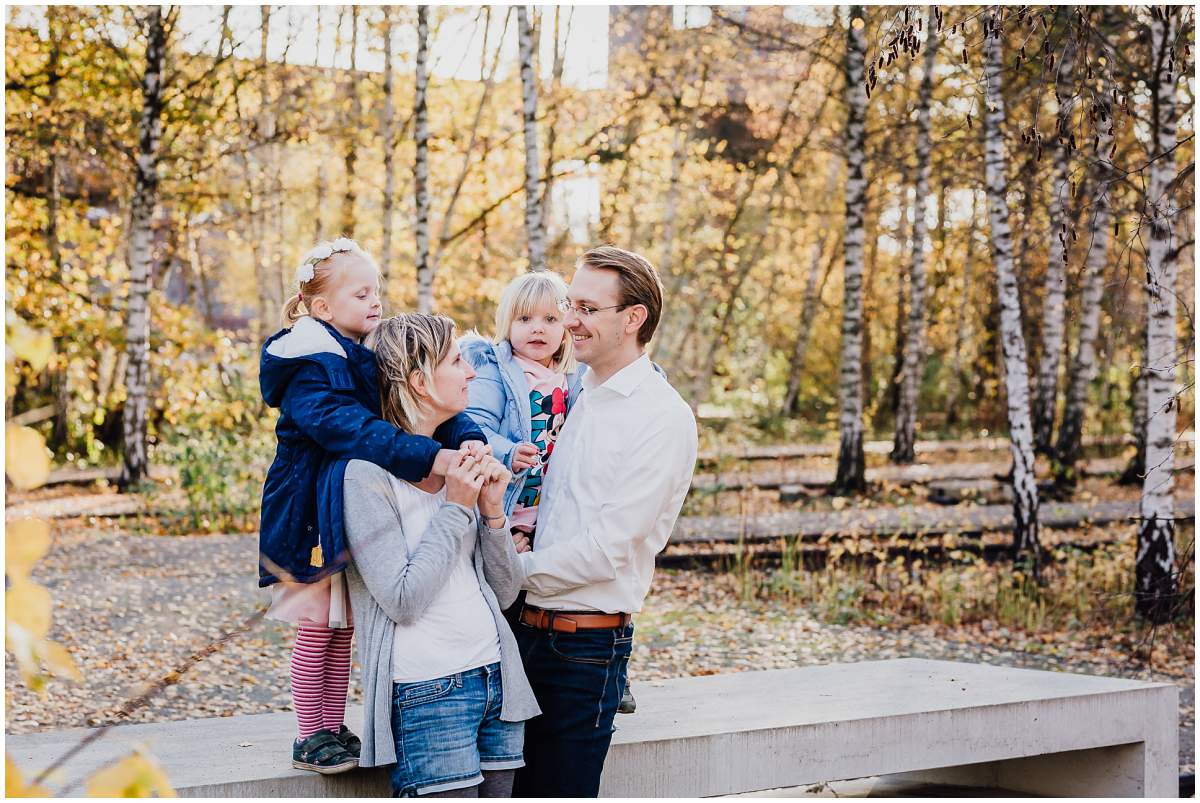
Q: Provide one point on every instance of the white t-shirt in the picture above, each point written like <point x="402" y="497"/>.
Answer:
<point x="457" y="631"/>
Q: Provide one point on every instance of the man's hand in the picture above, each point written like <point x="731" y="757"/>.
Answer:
<point x="477" y="448"/>
<point x="526" y="455"/>
<point x="521" y="541"/>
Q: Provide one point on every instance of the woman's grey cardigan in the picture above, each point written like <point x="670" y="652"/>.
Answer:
<point x="387" y="586"/>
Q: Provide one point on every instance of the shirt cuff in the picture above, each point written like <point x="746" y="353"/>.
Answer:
<point x="487" y="520"/>
<point x="470" y="513"/>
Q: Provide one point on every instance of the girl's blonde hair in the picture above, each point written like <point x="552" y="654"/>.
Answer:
<point x="324" y="277"/>
<point x="404" y="344"/>
<point x="522" y="296"/>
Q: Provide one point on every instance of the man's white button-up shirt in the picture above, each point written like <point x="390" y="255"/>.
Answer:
<point x="621" y="468"/>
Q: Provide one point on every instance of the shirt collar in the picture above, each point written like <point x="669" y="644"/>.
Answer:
<point x="625" y="381"/>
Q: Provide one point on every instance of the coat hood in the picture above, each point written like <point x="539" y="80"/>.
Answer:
<point x="288" y="349"/>
<point x="477" y="349"/>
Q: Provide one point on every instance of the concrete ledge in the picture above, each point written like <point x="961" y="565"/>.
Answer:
<point x="955" y="723"/>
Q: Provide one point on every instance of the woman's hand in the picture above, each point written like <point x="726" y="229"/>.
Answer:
<point x="521" y="541"/>
<point x="491" y="498"/>
<point x="465" y="478"/>
<point x="525" y="455"/>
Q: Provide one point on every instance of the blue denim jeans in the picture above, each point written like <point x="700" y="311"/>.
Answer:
<point x="449" y="729"/>
<point x="578" y="679"/>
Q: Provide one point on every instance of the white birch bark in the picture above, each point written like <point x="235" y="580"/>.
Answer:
<point x="1155" y="588"/>
<point x="914" y="342"/>
<point x="387" y="133"/>
<point x="1068" y="449"/>
<point x="851" y="467"/>
<point x="421" y="168"/>
<point x="1055" y="289"/>
<point x="135" y="463"/>
<point x="535" y="231"/>
<point x="1016" y="371"/>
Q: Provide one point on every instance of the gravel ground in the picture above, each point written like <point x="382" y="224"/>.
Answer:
<point x="132" y="608"/>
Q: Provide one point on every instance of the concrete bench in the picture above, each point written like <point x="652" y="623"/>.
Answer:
<point x="937" y="721"/>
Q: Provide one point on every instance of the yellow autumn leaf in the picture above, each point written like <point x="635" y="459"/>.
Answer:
<point x="28" y="607"/>
<point x="26" y="461"/>
<point x="137" y="775"/>
<point x="58" y="660"/>
<point x="31" y="345"/>
<point x="14" y="782"/>
<point x="25" y="543"/>
<point x="19" y="642"/>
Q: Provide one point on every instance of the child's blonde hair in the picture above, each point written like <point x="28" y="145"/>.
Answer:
<point x="323" y="274"/>
<point x="522" y="296"/>
<point x="404" y="344"/>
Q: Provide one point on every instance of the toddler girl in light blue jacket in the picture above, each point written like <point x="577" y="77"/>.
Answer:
<point x="526" y="381"/>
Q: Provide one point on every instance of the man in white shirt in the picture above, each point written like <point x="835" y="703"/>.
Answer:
<point x="622" y="466"/>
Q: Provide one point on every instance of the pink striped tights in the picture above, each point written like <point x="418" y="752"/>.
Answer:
<point x="320" y="677"/>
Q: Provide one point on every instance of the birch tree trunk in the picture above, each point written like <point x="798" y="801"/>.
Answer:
<point x="1055" y="293"/>
<point x="1016" y="371"/>
<point x="350" y="158"/>
<point x="914" y="342"/>
<point x="421" y="168"/>
<point x="135" y="463"/>
<point x="1068" y="449"/>
<point x="535" y="230"/>
<point x="52" y="138"/>
<point x="1155" y="587"/>
<point x="851" y="464"/>
<point x="387" y="133"/>
<point x="58" y="378"/>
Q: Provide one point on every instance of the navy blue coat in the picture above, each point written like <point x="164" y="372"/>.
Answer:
<point x="326" y="388"/>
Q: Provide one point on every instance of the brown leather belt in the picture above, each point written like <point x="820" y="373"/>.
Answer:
<point x="570" y="621"/>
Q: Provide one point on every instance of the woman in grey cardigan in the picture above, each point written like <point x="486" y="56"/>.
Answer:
<point x="445" y="697"/>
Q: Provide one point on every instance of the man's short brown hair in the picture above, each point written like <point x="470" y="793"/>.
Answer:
<point x="638" y="279"/>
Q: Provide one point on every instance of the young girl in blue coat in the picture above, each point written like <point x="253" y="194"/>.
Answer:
<point x="526" y="380"/>
<point x="323" y="380"/>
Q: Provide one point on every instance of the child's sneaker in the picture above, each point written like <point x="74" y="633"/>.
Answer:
<point x="627" y="705"/>
<point x="349" y="741"/>
<point x="323" y="753"/>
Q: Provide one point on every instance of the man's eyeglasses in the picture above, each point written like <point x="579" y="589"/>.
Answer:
<point x="583" y="310"/>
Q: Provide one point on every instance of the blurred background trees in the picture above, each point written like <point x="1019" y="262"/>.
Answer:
<point x="179" y="161"/>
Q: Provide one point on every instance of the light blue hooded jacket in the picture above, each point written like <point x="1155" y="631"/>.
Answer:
<point x="499" y="402"/>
